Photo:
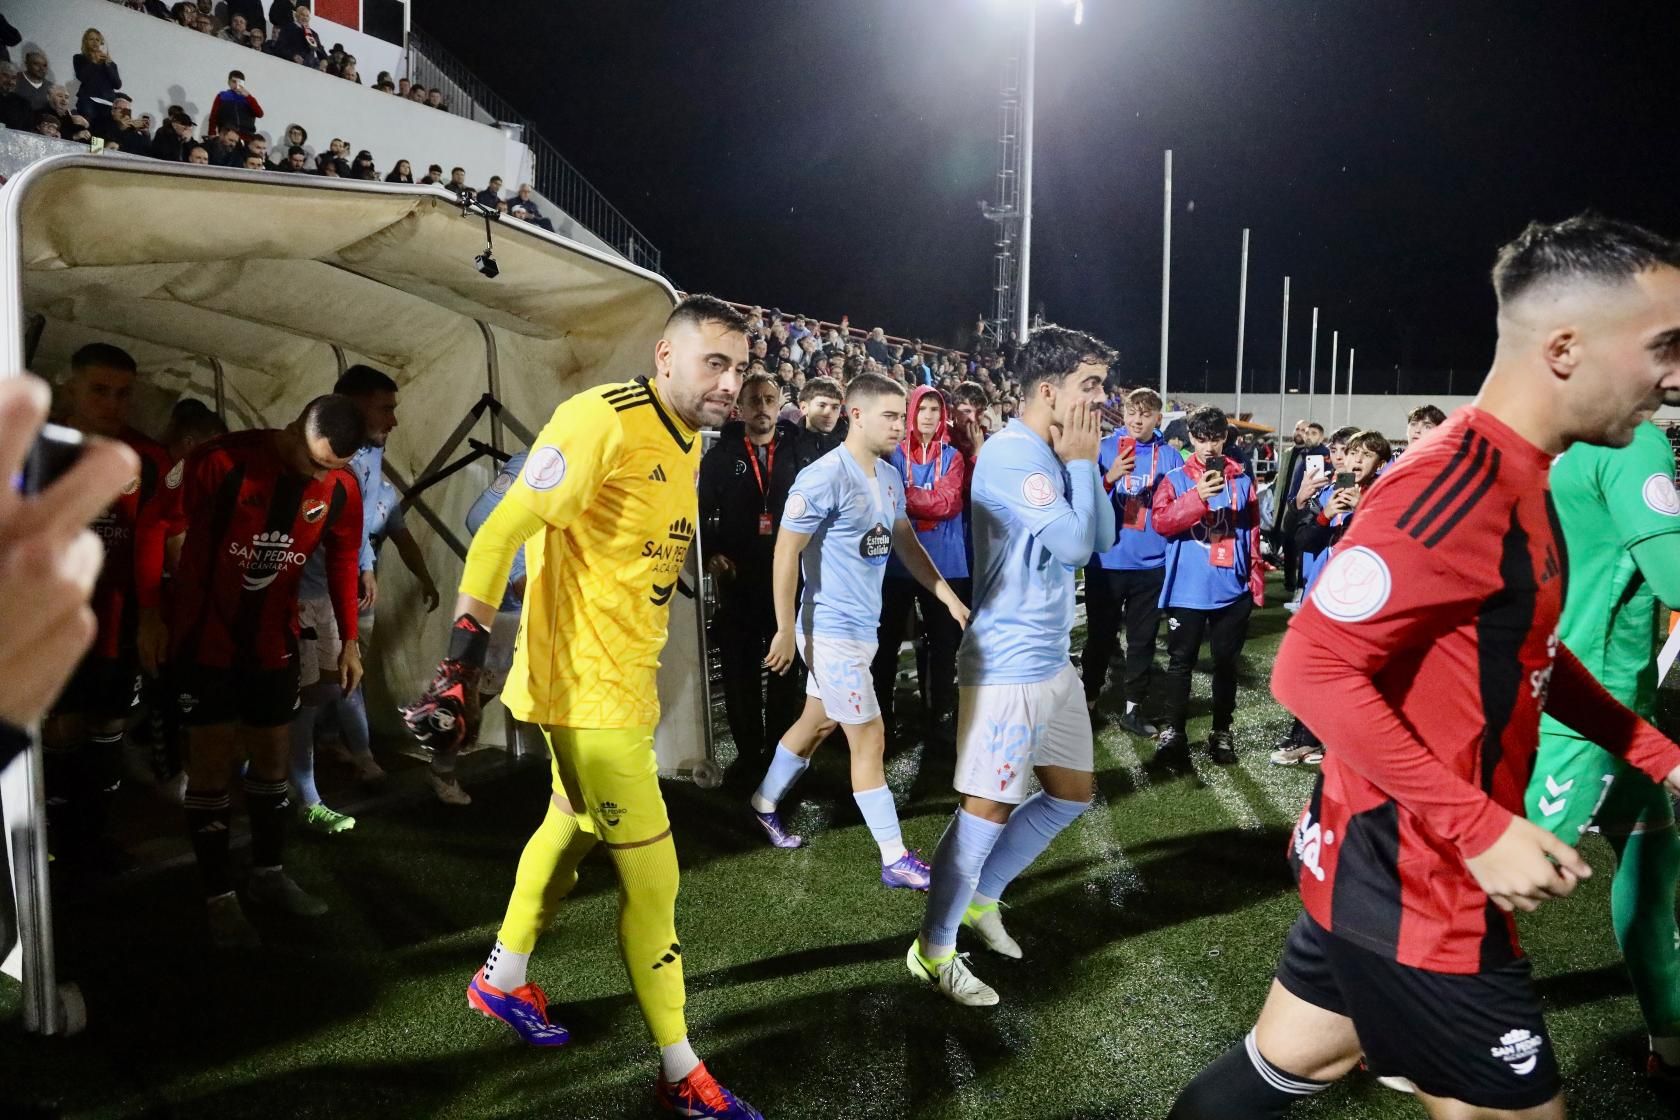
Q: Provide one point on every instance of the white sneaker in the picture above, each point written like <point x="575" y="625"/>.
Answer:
<point x="448" y="790"/>
<point x="988" y="923"/>
<point x="1297" y="755"/>
<point x="1398" y="1084"/>
<point x="951" y="977"/>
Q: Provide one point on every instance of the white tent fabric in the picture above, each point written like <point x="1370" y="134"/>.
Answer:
<point x="280" y="281"/>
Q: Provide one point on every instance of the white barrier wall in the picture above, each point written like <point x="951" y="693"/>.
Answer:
<point x="162" y="65"/>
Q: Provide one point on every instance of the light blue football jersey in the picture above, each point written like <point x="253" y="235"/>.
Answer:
<point x="850" y="522"/>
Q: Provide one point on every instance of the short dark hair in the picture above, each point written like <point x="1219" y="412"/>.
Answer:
<point x="1373" y="442"/>
<point x="969" y="392"/>
<point x="752" y="379"/>
<point x="294" y="150"/>
<point x="1207" y="422"/>
<point x="232" y="74"/>
<point x="1342" y="435"/>
<point x="1426" y="413"/>
<point x="1315" y="425"/>
<point x="338" y="420"/>
<point x="102" y="354"/>
<point x="363" y="381"/>
<point x="868" y="386"/>
<point x="821" y="387"/>
<point x="192" y="419"/>
<point x="698" y="309"/>
<point x="1052" y="352"/>
<point x="1587" y="247"/>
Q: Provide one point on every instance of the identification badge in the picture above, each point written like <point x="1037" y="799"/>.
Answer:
<point x="876" y="544"/>
<point x="1134" y="513"/>
<point x="1222" y="552"/>
<point x="764" y="527"/>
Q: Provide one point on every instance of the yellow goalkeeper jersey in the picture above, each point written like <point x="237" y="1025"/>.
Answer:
<point x="612" y="476"/>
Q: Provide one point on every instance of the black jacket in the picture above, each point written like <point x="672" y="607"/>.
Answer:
<point x="167" y="145"/>
<point x="731" y="501"/>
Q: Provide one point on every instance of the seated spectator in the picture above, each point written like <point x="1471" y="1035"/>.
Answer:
<point x="58" y="100"/>
<point x="339" y="148"/>
<point x="14" y="110"/>
<point x="251" y="11"/>
<point x="458" y="182"/>
<point x="199" y="154"/>
<point x="335" y="59"/>
<point x="173" y="136"/>
<point x="525" y="209"/>
<point x="404" y="87"/>
<point x="401" y="173"/>
<point x="237" y="31"/>
<point x="227" y="149"/>
<point x="235" y="107"/>
<point x="298" y="40"/>
<point x="492" y="194"/>
<point x="35" y="84"/>
<point x="254" y="162"/>
<point x="297" y="161"/>
<point x="332" y="167"/>
<point x="418" y="93"/>
<point x="122" y="131"/>
<point x="207" y="16"/>
<point x="434" y="99"/>
<point x="98" y="77"/>
<point x="185" y="14"/>
<point x="876" y="346"/>
<point x="434" y="175"/>
<point x="349" y="72"/>
<point x="297" y="137"/>
<point x="46" y="123"/>
<point x="383" y="83"/>
<point x="258" y="41"/>
<point x="362" y="167"/>
<point x="258" y="146"/>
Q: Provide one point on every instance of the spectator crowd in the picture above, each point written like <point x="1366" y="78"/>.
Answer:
<point x="100" y="112"/>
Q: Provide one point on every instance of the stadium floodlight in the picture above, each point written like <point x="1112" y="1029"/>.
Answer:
<point x="1023" y="307"/>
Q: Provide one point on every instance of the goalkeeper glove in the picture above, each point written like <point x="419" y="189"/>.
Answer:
<point x="447" y="713"/>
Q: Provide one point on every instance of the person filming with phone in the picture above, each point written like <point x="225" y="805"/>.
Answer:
<point x="1208" y="514"/>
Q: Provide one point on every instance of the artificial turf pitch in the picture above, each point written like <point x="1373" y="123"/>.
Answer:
<point x="1151" y="928"/>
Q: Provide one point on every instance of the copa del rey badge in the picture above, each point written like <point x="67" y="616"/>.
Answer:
<point x="1354" y="586"/>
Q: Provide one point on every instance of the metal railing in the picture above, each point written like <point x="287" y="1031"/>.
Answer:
<point x="553" y="176"/>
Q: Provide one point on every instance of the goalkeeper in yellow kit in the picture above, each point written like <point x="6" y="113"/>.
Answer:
<point x="607" y="500"/>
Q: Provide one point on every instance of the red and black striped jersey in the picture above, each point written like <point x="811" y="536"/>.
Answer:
<point x="250" y="523"/>
<point x="1423" y="659"/>
<point x="113" y="596"/>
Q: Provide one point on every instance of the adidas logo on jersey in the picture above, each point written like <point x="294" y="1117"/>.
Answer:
<point x="658" y="474"/>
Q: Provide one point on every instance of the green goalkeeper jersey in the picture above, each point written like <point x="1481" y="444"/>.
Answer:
<point x="1608" y="500"/>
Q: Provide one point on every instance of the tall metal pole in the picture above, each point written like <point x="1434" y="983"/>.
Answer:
<point x="1242" y="323"/>
<point x="1023" y="309"/>
<point x="1283" y="367"/>
<point x="1335" y="353"/>
<point x="1351" y="353"/>
<point x="1166" y="268"/>
<point x="1312" y="366"/>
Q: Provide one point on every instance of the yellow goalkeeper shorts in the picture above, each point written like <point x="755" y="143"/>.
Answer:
<point x="611" y="780"/>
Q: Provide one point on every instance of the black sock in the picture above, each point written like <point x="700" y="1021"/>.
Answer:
<point x="1241" y="1084"/>
<point x="101" y="778"/>
<point x="208" y="814"/>
<point x="266" y="804"/>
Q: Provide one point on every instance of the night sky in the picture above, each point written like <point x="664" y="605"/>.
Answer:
<point x="827" y="157"/>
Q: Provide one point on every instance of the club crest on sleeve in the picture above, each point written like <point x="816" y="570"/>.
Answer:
<point x="1037" y="489"/>
<point x="176" y="473"/>
<point x="1354" y="586"/>
<point x="1660" y="495"/>
<point x="545" y="469"/>
<point x="796" y="506"/>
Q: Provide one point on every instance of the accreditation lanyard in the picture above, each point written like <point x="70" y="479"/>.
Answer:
<point x="764" y="526"/>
